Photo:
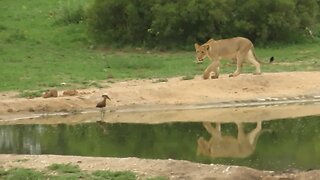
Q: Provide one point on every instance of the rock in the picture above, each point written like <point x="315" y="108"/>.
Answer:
<point x="70" y="93"/>
<point x="50" y="93"/>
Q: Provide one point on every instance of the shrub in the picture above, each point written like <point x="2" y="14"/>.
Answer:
<point x="172" y="24"/>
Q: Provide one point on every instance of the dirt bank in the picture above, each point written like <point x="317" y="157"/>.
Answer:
<point x="174" y="169"/>
<point x="173" y="92"/>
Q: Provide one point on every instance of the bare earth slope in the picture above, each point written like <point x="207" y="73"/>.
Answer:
<point x="174" y="92"/>
<point x="174" y="169"/>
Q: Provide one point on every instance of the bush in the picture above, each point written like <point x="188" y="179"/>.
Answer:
<point x="163" y="23"/>
<point x="123" y="22"/>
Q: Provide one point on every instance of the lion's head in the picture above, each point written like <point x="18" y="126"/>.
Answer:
<point x="201" y="52"/>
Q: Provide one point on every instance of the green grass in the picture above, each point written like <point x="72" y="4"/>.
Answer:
<point x="64" y="168"/>
<point x="31" y="94"/>
<point x="68" y="172"/>
<point x="121" y="175"/>
<point x="44" y="44"/>
<point x="187" y="77"/>
<point x="22" y="174"/>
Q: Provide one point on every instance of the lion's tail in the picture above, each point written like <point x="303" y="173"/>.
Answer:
<point x="262" y="62"/>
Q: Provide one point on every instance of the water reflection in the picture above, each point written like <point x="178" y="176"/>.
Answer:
<point x="243" y="145"/>
<point x="22" y="139"/>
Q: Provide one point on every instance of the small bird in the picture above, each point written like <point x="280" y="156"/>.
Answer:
<point x="271" y="59"/>
<point x="102" y="103"/>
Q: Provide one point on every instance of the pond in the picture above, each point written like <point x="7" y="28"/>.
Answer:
<point x="268" y="138"/>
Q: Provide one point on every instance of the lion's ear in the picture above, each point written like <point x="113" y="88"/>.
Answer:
<point x="206" y="46"/>
<point x="196" y="45"/>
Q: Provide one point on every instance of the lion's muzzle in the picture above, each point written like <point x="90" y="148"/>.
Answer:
<point x="198" y="61"/>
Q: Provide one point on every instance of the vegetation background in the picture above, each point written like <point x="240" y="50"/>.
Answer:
<point x="78" y="43"/>
<point x="176" y="23"/>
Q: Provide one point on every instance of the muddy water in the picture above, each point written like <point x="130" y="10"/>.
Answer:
<point x="268" y="137"/>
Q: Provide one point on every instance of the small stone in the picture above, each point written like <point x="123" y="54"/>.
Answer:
<point x="50" y="93"/>
<point x="70" y="93"/>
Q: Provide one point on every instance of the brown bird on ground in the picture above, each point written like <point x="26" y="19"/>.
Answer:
<point x="102" y="103"/>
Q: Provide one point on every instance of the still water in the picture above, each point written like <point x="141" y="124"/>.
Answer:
<point x="277" y="144"/>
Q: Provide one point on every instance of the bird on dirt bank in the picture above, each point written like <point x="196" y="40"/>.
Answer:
<point x="102" y="104"/>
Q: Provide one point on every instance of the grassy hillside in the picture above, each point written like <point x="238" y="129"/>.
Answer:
<point x="44" y="44"/>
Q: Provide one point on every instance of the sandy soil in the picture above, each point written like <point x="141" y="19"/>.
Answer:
<point x="148" y="93"/>
<point x="174" y="169"/>
<point x="175" y="92"/>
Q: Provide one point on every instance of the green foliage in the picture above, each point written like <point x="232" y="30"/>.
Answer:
<point x="188" y="77"/>
<point x="32" y="174"/>
<point x="172" y="24"/>
<point x="3" y="172"/>
<point x="122" y="21"/>
<point x="31" y="94"/>
<point x="91" y="84"/>
<point x="69" y="176"/>
<point x="64" y="168"/>
<point x="120" y="175"/>
<point x="23" y="174"/>
<point x="158" y="178"/>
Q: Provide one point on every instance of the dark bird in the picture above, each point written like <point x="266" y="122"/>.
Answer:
<point x="102" y="103"/>
<point x="271" y="59"/>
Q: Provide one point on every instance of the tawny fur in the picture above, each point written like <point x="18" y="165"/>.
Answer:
<point x="238" y="49"/>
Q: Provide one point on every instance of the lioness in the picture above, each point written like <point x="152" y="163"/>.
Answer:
<point x="228" y="146"/>
<point x="238" y="49"/>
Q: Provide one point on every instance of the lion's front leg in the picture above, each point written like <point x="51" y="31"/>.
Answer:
<point x="238" y="70"/>
<point x="213" y="67"/>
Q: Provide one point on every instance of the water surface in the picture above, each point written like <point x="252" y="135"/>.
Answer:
<point x="267" y="143"/>
<point x="281" y="144"/>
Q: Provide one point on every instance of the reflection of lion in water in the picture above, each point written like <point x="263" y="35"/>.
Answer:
<point x="228" y="146"/>
<point x="238" y="49"/>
